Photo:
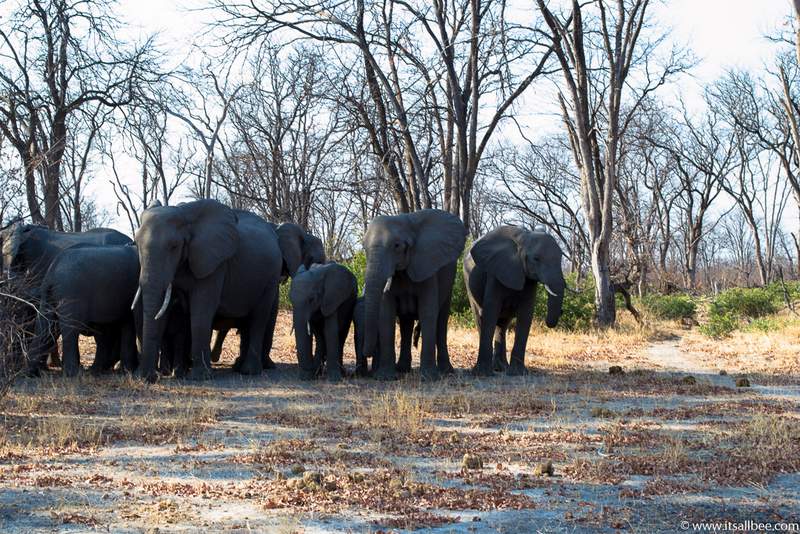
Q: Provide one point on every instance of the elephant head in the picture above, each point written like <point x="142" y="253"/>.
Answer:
<point x="12" y="238"/>
<point x="515" y="254"/>
<point x="298" y="247"/>
<point x="323" y="289"/>
<point x="195" y="237"/>
<point x="418" y="243"/>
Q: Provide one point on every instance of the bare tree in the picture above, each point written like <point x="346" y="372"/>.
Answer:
<point x="598" y="44"/>
<point x="55" y="58"/>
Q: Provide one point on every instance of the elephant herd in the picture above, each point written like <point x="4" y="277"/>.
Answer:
<point x="151" y="304"/>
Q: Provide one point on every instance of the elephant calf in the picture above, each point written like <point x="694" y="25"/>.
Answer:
<point x="88" y="290"/>
<point x="501" y="272"/>
<point x="322" y="299"/>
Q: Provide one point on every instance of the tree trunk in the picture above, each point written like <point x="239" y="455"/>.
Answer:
<point x="604" y="291"/>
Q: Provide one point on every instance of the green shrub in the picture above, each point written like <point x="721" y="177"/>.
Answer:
<point x="764" y="324"/>
<point x="748" y="303"/>
<point x="577" y="310"/>
<point x="720" y="323"/>
<point x="672" y="307"/>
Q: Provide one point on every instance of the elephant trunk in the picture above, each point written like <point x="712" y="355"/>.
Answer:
<point x="376" y="280"/>
<point x="555" y="300"/>
<point x="302" y="337"/>
<point x="153" y="296"/>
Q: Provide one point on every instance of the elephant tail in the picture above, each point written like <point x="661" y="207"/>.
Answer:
<point x="416" y="334"/>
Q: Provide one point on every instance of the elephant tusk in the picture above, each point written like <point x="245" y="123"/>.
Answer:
<point x="547" y="288"/>
<point x="164" y="306"/>
<point x="308" y="327"/>
<point x="388" y="285"/>
<point x="136" y="298"/>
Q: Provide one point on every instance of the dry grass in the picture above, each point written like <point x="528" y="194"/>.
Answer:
<point x="365" y="452"/>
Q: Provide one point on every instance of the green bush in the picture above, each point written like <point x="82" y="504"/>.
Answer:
<point x="720" y="323"/>
<point x="672" y="307"/>
<point x="748" y="303"/>
<point x="577" y="310"/>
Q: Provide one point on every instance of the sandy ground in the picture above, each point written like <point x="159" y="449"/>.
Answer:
<point x="569" y="447"/>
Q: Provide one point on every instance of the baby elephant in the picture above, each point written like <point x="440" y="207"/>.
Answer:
<point x="322" y="302"/>
<point x="88" y="290"/>
<point x="501" y="272"/>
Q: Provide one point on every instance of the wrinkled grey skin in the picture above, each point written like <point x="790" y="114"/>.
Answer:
<point x="28" y="250"/>
<point x="298" y="249"/>
<point x="418" y="252"/>
<point x="87" y="291"/>
<point x="226" y="262"/>
<point x="407" y="326"/>
<point x="322" y="299"/>
<point x="175" y="333"/>
<point x="501" y="272"/>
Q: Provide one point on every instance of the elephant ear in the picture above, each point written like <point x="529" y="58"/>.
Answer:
<point x="498" y="253"/>
<point x="214" y="236"/>
<point x="339" y="285"/>
<point x="439" y="239"/>
<point x="290" y="240"/>
<point x="313" y="250"/>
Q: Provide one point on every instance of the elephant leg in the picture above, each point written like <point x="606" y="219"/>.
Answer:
<point x="105" y="343"/>
<point x="181" y="351"/>
<point x="383" y="363"/>
<point x="523" y="328"/>
<point x="203" y="303"/>
<point x="266" y="361"/>
<point x="216" y="352"/>
<point x="127" y="347"/>
<point x="442" y="354"/>
<point x="428" y="309"/>
<point x="500" y="361"/>
<point x="166" y="357"/>
<point x="332" y="349"/>
<point x="406" y="333"/>
<point x="252" y="340"/>
<point x="318" y="339"/>
<point x="71" y="355"/>
<point x="490" y="313"/>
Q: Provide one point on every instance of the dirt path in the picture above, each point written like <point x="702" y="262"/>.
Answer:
<point x="669" y="356"/>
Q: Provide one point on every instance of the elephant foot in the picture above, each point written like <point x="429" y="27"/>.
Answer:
<point x="499" y="364"/>
<point x="151" y="377"/>
<point x="429" y="374"/>
<point x="335" y="376"/>
<point x="72" y="370"/>
<point x="96" y="370"/>
<point x="516" y="370"/>
<point x="267" y="363"/>
<point x="307" y="375"/>
<point x="33" y="371"/>
<point x="446" y="368"/>
<point x="362" y="370"/>
<point x="199" y="373"/>
<point x="237" y="363"/>
<point x="181" y="371"/>
<point x="483" y="369"/>
<point x="404" y="366"/>
<point x="383" y="373"/>
<point x="251" y="367"/>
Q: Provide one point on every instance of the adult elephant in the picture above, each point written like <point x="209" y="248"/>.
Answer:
<point x="411" y="265"/>
<point x="29" y="250"/>
<point x="501" y="271"/>
<point x="86" y="291"/>
<point x="227" y="263"/>
<point x="298" y="249"/>
<point x="322" y="298"/>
